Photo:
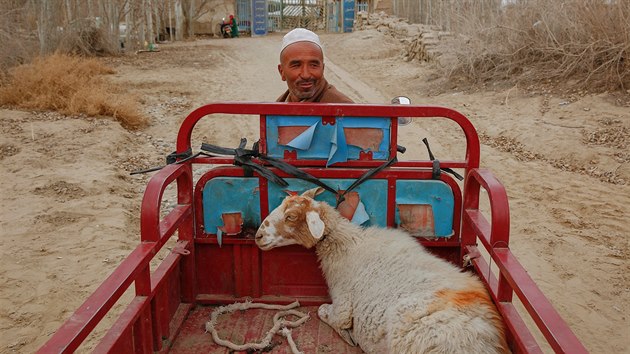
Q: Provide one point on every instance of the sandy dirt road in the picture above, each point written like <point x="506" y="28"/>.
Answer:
<point x="70" y="208"/>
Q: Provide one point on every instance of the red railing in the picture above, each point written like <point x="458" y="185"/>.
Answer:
<point x="512" y="277"/>
<point x="335" y="110"/>
<point x="141" y="326"/>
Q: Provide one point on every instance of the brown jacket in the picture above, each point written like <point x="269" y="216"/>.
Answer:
<point x="327" y="94"/>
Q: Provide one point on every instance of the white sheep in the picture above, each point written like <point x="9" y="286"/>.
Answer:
<point x="389" y="295"/>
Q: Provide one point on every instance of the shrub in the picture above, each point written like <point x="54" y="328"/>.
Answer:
<point x="587" y="42"/>
<point x="70" y="85"/>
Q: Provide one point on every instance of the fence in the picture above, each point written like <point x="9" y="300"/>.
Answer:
<point x="282" y="15"/>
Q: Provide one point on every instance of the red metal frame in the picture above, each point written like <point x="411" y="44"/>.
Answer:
<point x="471" y="159"/>
<point x="165" y="297"/>
<point x="512" y="277"/>
<point x="135" y="327"/>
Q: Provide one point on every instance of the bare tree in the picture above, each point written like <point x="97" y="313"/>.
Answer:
<point x="95" y="26"/>
<point x="45" y="26"/>
<point x="148" y="16"/>
<point x="179" y="20"/>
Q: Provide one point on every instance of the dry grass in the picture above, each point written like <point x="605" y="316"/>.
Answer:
<point x="70" y="85"/>
<point x="578" y="41"/>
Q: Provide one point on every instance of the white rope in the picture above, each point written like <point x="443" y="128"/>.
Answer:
<point x="287" y="333"/>
<point x="279" y="324"/>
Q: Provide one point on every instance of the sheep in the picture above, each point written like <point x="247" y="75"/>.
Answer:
<point x="389" y="294"/>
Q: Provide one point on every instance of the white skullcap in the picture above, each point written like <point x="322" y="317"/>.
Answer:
<point x="300" y="35"/>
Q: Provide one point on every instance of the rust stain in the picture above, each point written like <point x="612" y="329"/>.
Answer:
<point x="232" y="223"/>
<point x="417" y="219"/>
<point x="349" y="205"/>
<point x="365" y="138"/>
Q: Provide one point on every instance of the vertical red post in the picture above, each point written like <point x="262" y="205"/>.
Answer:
<point x="471" y="201"/>
<point x="186" y="233"/>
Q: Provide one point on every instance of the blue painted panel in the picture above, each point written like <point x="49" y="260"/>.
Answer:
<point x="231" y="195"/>
<point x="436" y="193"/>
<point x="259" y="16"/>
<point x="321" y="143"/>
<point x="373" y="194"/>
<point x="348" y="15"/>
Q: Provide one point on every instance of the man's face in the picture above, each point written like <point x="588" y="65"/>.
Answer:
<point x="302" y="67"/>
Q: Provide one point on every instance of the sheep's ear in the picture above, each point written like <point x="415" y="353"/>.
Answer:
<point x="312" y="193"/>
<point x="315" y="224"/>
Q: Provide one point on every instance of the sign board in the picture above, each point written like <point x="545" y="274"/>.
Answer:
<point x="259" y="17"/>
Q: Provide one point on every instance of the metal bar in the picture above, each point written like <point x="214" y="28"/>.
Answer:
<point x="479" y="225"/>
<point x="355" y="163"/>
<point x="133" y="268"/>
<point x="159" y="314"/>
<point x="143" y="333"/>
<point x="167" y="266"/>
<point x="150" y="217"/>
<point x="173" y="221"/>
<point x="496" y="235"/>
<point x="124" y="323"/>
<point x="176" y="324"/>
<point x="160" y="294"/>
<point x="335" y="110"/>
<point x="522" y="337"/>
<point x="70" y="335"/>
<point x="517" y="329"/>
<point x="552" y="326"/>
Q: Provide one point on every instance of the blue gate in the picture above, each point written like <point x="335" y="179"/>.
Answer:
<point x="348" y="15"/>
<point x="333" y="9"/>
<point x="274" y="15"/>
<point x="244" y="16"/>
<point x="258" y="17"/>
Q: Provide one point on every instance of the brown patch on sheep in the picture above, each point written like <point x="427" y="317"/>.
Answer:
<point x="293" y="225"/>
<point x="468" y="299"/>
<point x="464" y="298"/>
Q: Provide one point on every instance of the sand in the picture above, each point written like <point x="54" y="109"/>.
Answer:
<point x="70" y="209"/>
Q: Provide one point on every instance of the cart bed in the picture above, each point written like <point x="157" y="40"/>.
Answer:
<point x="215" y="260"/>
<point x="250" y="326"/>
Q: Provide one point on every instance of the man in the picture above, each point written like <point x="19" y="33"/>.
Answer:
<point x="233" y="26"/>
<point x="302" y="67"/>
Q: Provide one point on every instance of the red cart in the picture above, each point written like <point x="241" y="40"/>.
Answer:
<point x="215" y="261"/>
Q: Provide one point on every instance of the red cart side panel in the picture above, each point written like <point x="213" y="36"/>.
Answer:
<point x="215" y="266"/>
<point x="292" y="271"/>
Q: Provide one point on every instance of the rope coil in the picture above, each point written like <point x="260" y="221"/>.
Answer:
<point x="280" y="324"/>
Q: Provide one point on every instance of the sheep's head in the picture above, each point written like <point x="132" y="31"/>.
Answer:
<point x="295" y="221"/>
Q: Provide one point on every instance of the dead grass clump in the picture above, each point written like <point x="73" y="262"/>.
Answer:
<point x="70" y="85"/>
<point x="533" y="40"/>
